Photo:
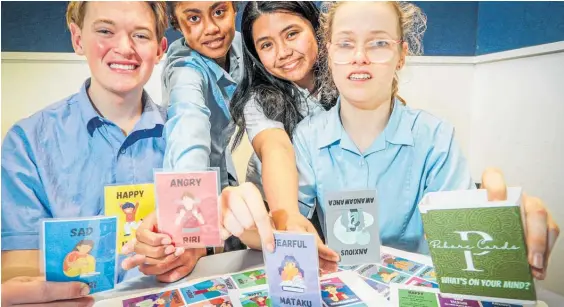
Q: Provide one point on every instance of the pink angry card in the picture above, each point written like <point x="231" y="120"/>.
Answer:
<point x="187" y="207"/>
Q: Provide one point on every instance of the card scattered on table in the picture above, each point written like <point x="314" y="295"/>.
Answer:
<point x="293" y="270"/>
<point x="382" y="274"/>
<point x="352" y="226"/>
<point x="82" y="249"/>
<point x="251" y="297"/>
<point x="250" y="278"/>
<point x="207" y="289"/>
<point x="336" y="293"/>
<point x="188" y="207"/>
<point x="163" y="299"/>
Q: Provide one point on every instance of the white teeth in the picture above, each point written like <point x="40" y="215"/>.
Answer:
<point x="121" y="66"/>
<point x="360" y="77"/>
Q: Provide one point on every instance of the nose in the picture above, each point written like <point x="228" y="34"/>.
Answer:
<point x="124" y="46"/>
<point x="360" y="57"/>
<point x="284" y="52"/>
<point x="210" y="27"/>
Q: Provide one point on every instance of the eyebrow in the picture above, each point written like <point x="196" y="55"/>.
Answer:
<point x="198" y="11"/>
<point x="110" y="22"/>
<point x="282" y="31"/>
<point x="104" y="21"/>
<point x="349" y="32"/>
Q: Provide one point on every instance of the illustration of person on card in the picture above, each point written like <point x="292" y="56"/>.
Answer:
<point x="129" y="209"/>
<point x="397" y="264"/>
<point x="333" y="293"/>
<point x="213" y="288"/>
<point x="386" y="277"/>
<point x="351" y="227"/>
<point x="259" y="300"/>
<point x="218" y="302"/>
<point x="292" y="275"/>
<point x="150" y="303"/>
<point x="188" y="214"/>
<point x="79" y="262"/>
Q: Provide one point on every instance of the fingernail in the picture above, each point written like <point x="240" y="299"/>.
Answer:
<point x="166" y="241"/>
<point x="169" y="250"/>
<point x="538" y="261"/>
<point x="179" y="251"/>
<point x="84" y="289"/>
<point x="270" y="247"/>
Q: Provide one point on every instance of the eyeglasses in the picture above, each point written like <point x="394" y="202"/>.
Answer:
<point x="377" y="51"/>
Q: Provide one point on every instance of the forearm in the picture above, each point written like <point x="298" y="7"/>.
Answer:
<point x="280" y="179"/>
<point x="188" y="140"/>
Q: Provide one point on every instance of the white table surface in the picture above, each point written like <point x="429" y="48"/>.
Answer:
<point x="227" y="263"/>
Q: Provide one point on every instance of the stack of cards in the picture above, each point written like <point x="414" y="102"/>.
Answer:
<point x="293" y="270"/>
<point x="352" y="226"/>
<point x="81" y="249"/>
<point x="188" y="207"/>
<point x="130" y="203"/>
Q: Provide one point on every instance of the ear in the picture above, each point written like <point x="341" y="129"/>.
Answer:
<point x="163" y="45"/>
<point x="403" y="55"/>
<point x="76" y="38"/>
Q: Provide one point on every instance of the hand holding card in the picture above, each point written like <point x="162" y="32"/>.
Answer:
<point x="155" y="254"/>
<point x="244" y="215"/>
<point x="293" y="270"/>
<point x="297" y="223"/>
<point x="81" y="249"/>
<point x="187" y="207"/>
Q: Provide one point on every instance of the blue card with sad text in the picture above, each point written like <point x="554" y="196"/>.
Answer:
<point x="82" y="249"/>
<point x="293" y="271"/>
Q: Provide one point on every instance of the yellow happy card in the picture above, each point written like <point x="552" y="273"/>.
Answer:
<point x="130" y="203"/>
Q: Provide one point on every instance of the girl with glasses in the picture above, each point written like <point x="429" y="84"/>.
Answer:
<point x="372" y="140"/>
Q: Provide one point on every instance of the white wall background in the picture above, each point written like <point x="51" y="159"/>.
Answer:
<point x="506" y="108"/>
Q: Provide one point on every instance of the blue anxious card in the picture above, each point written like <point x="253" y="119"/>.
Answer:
<point x="293" y="271"/>
<point x="82" y="249"/>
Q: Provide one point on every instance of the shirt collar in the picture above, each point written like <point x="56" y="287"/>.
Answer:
<point x="234" y="56"/>
<point x="397" y="131"/>
<point x="151" y="115"/>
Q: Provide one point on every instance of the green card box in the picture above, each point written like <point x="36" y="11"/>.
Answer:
<point x="477" y="246"/>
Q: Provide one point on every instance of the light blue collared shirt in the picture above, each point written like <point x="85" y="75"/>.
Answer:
<point x="56" y="163"/>
<point x="415" y="154"/>
<point x="197" y="91"/>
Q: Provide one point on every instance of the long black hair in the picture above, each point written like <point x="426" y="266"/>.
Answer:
<point x="279" y="99"/>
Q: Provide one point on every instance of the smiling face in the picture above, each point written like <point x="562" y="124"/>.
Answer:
<point x="286" y="46"/>
<point x="207" y="26"/>
<point x="120" y="43"/>
<point x="361" y="82"/>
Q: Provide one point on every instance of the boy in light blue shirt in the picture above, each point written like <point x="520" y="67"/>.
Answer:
<point x="56" y="162"/>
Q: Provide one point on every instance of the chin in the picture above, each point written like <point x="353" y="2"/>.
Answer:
<point x="122" y="87"/>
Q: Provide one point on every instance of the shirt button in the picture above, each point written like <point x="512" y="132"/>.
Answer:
<point x="122" y="151"/>
<point x="361" y="163"/>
